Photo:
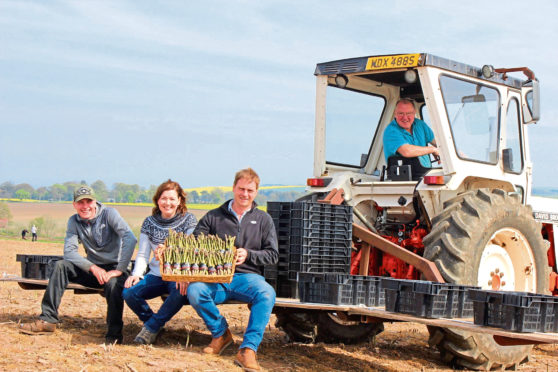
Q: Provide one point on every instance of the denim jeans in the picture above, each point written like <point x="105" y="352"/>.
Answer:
<point x="249" y="288"/>
<point x="149" y="287"/>
<point x="65" y="272"/>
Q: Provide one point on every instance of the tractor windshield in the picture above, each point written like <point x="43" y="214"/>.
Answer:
<point x="472" y="111"/>
<point x="351" y="121"/>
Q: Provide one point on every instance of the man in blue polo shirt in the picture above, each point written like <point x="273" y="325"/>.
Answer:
<point x="408" y="136"/>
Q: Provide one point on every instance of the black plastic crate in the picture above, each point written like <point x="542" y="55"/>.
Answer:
<point x="273" y="207"/>
<point x="515" y="311"/>
<point x="426" y="299"/>
<point x="375" y="295"/>
<point x="270" y="272"/>
<point x="285" y="287"/>
<point x="399" y="296"/>
<point x="319" y="264"/>
<point x="464" y="308"/>
<point x="326" y="291"/>
<point x="283" y="257"/>
<point x="281" y="224"/>
<point x="321" y="250"/>
<point x="284" y="242"/>
<point x="321" y="232"/>
<point x="321" y="241"/>
<point x="309" y="210"/>
<point x="37" y="266"/>
<point x="360" y="289"/>
<point x="314" y="223"/>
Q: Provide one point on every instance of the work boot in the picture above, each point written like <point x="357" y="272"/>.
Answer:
<point x="38" y="327"/>
<point x="219" y="344"/>
<point x="246" y="359"/>
<point x="146" y="337"/>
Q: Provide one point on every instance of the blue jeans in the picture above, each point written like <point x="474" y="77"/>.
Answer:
<point x="249" y="288"/>
<point x="152" y="286"/>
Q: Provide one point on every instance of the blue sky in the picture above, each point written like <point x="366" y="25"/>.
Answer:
<point x="140" y="91"/>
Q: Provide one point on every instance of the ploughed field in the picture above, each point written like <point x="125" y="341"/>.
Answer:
<point x="77" y="345"/>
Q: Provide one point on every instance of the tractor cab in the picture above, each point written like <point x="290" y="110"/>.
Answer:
<point x="476" y="114"/>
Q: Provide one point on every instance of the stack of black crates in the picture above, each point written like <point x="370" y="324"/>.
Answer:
<point x="314" y="238"/>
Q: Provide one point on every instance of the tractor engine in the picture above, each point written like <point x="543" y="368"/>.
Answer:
<point x="408" y="235"/>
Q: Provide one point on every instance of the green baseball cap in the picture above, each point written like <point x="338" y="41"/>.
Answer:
<point x="84" y="192"/>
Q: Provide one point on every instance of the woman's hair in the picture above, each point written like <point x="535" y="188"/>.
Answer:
<point x="170" y="185"/>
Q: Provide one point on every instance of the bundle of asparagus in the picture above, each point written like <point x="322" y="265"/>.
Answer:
<point x="188" y="258"/>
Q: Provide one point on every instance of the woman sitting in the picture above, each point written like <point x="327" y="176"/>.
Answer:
<point x="170" y="212"/>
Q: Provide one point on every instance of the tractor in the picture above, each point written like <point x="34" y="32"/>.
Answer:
<point x="471" y="214"/>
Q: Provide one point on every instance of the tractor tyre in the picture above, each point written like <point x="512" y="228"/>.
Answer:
<point x="486" y="238"/>
<point x="323" y="326"/>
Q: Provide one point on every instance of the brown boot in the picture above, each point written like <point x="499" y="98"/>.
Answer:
<point x="38" y="327"/>
<point x="219" y="344"/>
<point x="246" y="359"/>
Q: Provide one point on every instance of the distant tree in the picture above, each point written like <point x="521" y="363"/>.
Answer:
<point x="40" y="194"/>
<point x="119" y="191"/>
<point x="71" y="186"/>
<point x="130" y="196"/>
<point x="149" y="193"/>
<point x="7" y="190"/>
<point x="100" y="189"/>
<point x="216" y="195"/>
<point x="193" y="197"/>
<point x="205" y="197"/>
<point x="56" y="191"/>
<point x="22" y="194"/>
<point x="25" y="186"/>
<point x="143" y="198"/>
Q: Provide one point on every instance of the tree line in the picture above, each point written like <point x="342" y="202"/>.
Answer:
<point x="125" y="193"/>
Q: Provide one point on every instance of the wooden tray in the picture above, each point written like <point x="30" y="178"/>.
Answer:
<point x="197" y="278"/>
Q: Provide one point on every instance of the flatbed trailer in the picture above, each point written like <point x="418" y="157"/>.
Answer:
<point x="501" y="336"/>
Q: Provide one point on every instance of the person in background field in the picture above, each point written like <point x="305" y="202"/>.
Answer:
<point x="109" y="244"/>
<point x="23" y="233"/>
<point x="170" y="212"/>
<point x="409" y="136"/>
<point x="256" y="243"/>
<point x="34" y="233"/>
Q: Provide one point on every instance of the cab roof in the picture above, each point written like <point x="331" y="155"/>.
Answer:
<point x="382" y="63"/>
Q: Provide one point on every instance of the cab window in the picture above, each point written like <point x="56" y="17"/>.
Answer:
<point x="351" y="122"/>
<point x="511" y="154"/>
<point x="473" y="111"/>
<point x="424" y="115"/>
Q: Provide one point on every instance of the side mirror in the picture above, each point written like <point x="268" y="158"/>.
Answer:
<point x="531" y="106"/>
<point x="363" y="160"/>
<point x="507" y="156"/>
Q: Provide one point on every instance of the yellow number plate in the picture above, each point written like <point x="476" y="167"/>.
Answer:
<point x="398" y="61"/>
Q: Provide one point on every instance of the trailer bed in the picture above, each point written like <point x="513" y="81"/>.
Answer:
<point x="503" y="337"/>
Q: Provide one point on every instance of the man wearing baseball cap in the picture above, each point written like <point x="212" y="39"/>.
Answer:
<point x="109" y="244"/>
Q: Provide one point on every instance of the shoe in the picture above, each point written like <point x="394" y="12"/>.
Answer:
<point x="38" y="327"/>
<point x="219" y="344"/>
<point x="246" y="359"/>
<point x="113" y="340"/>
<point x="146" y="337"/>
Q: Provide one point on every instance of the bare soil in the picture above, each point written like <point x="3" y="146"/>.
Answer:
<point x="78" y="343"/>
